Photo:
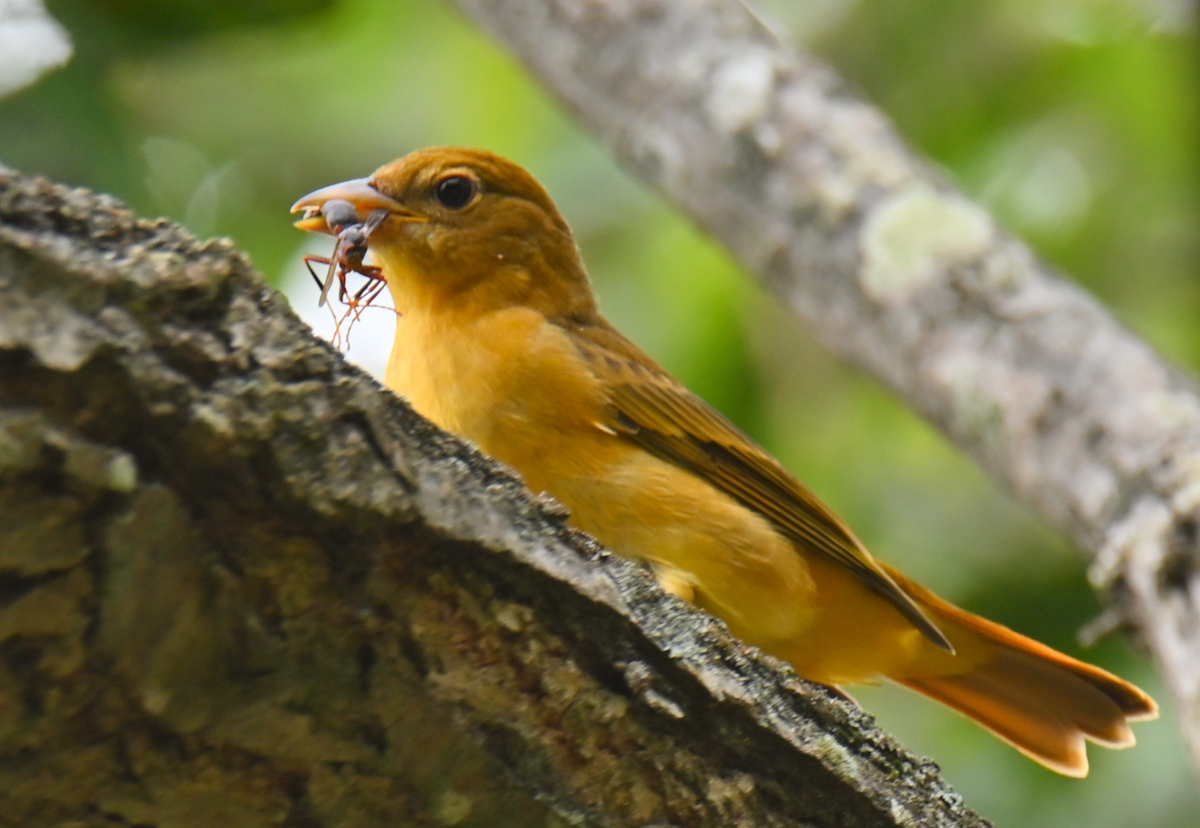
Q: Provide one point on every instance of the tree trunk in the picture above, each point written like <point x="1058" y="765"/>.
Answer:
<point x="813" y="191"/>
<point x="242" y="585"/>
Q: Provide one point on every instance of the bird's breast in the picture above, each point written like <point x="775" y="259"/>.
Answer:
<point x="508" y="380"/>
<point x="517" y="386"/>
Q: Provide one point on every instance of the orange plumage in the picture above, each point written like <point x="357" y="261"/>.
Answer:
<point x="499" y="339"/>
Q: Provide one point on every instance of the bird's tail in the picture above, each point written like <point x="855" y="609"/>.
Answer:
<point x="1043" y="703"/>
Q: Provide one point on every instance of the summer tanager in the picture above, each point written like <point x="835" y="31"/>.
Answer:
<point x="498" y="338"/>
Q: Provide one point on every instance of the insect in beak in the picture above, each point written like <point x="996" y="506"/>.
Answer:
<point x="350" y="211"/>
<point x="358" y="194"/>
<point x="351" y="248"/>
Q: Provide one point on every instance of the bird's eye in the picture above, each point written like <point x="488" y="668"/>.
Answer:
<point x="454" y="191"/>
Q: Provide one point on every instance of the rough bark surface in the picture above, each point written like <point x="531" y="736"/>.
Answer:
<point x="243" y="585"/>
<point x="812" y="189"/>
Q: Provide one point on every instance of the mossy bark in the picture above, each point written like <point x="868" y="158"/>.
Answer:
<point x="813" y="190"/>
<point x="243" y="585"/>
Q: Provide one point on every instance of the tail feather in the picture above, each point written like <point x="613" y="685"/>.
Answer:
<point x="1043" y="711"/>
<point x="1040" y="701"/>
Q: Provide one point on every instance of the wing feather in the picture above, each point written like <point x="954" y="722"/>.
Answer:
<point x="651" y="409"/>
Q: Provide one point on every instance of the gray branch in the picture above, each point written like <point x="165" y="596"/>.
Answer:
<point x="812" y="190"/>
<point x="242" y="585"/>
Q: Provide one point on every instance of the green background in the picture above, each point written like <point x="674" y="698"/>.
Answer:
<point x="1074" y="121"/>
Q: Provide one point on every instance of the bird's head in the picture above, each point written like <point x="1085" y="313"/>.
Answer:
<point x="465" y="229"/>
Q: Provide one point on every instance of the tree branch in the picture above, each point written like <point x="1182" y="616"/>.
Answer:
<point x="242" y="585"/>
<point x="812" y="190"/>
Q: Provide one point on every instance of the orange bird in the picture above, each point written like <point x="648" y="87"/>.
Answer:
<point x="498" y="338"/>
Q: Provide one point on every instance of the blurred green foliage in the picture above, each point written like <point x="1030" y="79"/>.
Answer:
<point x="1074" y="121"/>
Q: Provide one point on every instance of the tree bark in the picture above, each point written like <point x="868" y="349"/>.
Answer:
<point x="243" y="585"/>
<point x="814" y="192"/>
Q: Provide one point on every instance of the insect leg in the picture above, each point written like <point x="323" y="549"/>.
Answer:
<point x="308" y="260"/>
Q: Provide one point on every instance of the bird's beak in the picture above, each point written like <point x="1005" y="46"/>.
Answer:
<point x="358" y="192"/>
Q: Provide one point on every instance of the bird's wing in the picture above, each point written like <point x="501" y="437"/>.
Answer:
<point x="651" y="409"/>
